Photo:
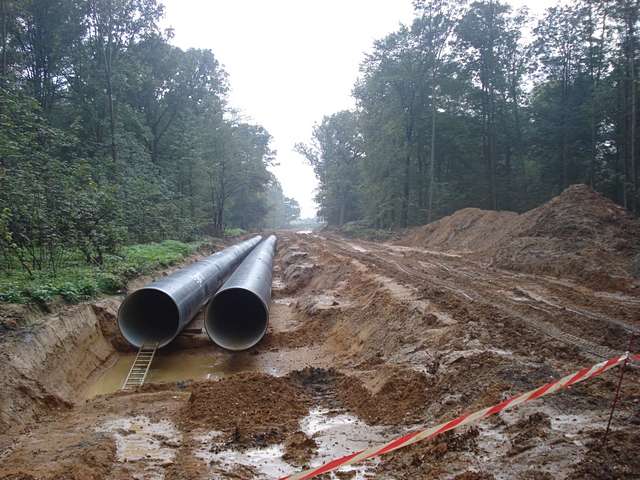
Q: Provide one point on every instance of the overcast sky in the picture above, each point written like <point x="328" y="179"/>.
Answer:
<point x="290" y="62"/>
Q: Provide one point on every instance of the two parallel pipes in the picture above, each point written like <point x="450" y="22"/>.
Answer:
<point x="235" y="281"/>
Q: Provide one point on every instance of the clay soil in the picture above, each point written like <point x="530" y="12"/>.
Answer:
<point x="366" y="341"/>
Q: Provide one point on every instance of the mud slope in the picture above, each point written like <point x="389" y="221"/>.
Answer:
<point x="579" y="234"/>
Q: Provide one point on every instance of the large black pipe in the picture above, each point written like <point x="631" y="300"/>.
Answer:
<point x="158" y="312"/>
<point x="237" y="316"/>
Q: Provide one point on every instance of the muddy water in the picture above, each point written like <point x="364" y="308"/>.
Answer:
<point x="205" y="364"/>
<point x="335" y="433"/>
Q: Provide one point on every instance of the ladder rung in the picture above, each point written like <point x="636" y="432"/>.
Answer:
<point x="139" y="368"/>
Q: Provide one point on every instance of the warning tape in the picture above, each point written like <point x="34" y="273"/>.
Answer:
<point x="466" y="419"/>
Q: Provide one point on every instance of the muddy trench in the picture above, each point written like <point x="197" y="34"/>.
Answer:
<point x="366" y="341"/>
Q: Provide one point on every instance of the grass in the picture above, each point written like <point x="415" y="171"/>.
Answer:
<point x="76" y="281"/>
<point x="234" y="232"/>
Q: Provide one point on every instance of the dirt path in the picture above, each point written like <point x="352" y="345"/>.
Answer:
<point x="366" y="340"/>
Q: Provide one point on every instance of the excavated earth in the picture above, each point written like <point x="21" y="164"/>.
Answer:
<point x="366" y="342"/>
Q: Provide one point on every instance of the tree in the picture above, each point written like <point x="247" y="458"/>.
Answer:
<point x="435" y="26"/>
<point x="334" y="156"/>
<point x="114" y="26"/>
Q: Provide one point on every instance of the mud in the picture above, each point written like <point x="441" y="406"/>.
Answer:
<point x="366" y="341"/>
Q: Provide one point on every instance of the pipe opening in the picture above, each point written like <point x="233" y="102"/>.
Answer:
<point x="236" y="319"/>
<point x="147" y="317"/>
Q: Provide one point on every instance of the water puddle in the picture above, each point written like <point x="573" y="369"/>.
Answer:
<point x="509" y="454"/>
<point x="148" y="446"/>
<point x="340" y="434"/>
<point x="262" y="462"/>
<point x="336" y="434"/>
<point x="205" y="364"/>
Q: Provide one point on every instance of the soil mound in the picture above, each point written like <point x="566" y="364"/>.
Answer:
<point x="467" y="230"/>
<point x="401" y="399"/>
<point x="578" y="234"/>
<point x="250" y="408"/>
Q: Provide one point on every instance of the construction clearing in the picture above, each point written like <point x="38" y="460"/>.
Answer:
<point x="365" y="342"/>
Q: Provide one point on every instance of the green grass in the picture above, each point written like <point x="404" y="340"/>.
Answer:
<point x="76" y="281"/>
<point x="234" y="232"/>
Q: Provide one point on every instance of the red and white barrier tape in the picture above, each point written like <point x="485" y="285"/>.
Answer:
<point x="464" y="420"/>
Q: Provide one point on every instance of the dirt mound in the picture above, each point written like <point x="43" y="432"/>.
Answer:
<point x="578" y="234"/>
<point x="251" y="408"/>
<point x="299" y="449"/>
<point x="400" y="399"/>
<point x="467" y="230"/>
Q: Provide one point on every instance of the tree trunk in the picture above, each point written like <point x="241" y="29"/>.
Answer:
<point x="404" y="212"/>
<point x="563" y="131"/>
<point x="432" y="155"/>
<point x="4" y="20"/>
<point x="107" y="52"/>
<point x="632" y="127"/>
<point x="341" y="215"/>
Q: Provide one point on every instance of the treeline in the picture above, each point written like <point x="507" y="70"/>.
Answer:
<point x="478" y="105"/>
<point x="111" y="135"/>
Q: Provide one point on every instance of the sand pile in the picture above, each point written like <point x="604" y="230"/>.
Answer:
<point x="467" y="230"/>
<point x="578" y="234"/>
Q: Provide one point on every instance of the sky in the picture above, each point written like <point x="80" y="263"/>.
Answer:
<point x="291" y="62"/>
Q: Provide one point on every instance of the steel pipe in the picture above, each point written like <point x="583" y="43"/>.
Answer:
<point x="157" y="313"/>
<point x="237" y="316"/>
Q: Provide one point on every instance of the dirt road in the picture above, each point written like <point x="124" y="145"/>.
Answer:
<point x="366" y="340"/>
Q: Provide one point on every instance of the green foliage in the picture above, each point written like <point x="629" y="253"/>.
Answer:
<point x="111" y="136"/>
<point x="234" y="232"/>
<point x="76" y="281"/>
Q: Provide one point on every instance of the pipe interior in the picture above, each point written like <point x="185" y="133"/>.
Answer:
<point x="147" y="317"/>
<point x="236" y="319"/>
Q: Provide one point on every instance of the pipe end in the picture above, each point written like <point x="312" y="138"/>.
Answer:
<point x="148" y="317"/>
<point x="236" y="319"/>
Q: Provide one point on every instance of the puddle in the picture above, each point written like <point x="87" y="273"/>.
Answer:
<point x="151" y="446"/>
<point x="335" y="434"/>
<point x="206" y="364"/>
<point x="556" y="455"/>
<point x="340" y="434"/>
<point x="263" y="462"/>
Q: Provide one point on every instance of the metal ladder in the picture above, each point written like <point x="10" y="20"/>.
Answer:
<point x="140" y="367"/>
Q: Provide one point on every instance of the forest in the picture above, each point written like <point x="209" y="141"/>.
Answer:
<point x="111" y="136"/>
<point x="476" y="104"/>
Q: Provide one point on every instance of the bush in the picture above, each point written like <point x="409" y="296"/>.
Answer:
<point x="76" y="281"/>
<point x="110" y="283"/>
<point x="234" y="232"/>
